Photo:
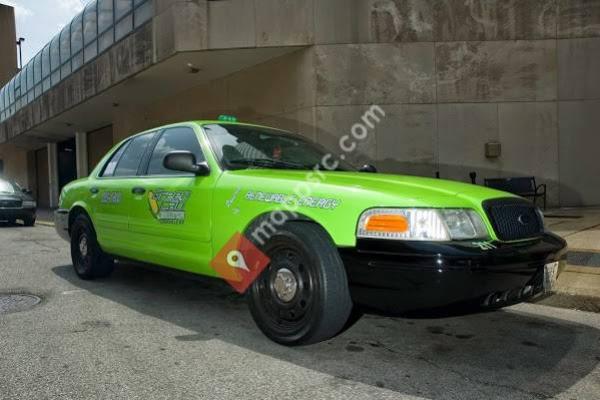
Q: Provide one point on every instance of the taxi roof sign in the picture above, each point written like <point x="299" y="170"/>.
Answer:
<point x="227" y="118"/>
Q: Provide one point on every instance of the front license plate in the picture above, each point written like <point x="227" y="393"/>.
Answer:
<point x="550" y="275"/>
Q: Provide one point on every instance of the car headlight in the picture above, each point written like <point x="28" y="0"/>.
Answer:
<point x="29" y="204"/>
<point x="421" y="224"/>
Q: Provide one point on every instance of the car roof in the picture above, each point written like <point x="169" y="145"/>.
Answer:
<point x="205" y="122"/>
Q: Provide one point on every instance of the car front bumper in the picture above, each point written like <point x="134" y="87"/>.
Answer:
<point x="397" y="277"/>
<point x="61" y="223"/>
<point x="16" y="213"/>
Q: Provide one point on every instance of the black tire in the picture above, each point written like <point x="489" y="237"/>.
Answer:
<point x="320" y="305"/>
<point x="89" y="261"/>
<point x="28" y="221"/>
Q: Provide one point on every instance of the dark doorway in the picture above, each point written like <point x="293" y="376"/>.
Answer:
<point x="67" y="163"/>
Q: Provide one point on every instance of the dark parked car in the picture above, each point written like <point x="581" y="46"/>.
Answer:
<point x="16" y="203"/>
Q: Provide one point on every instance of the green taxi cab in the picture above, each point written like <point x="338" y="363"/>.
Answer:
<point x="310" y="240"/>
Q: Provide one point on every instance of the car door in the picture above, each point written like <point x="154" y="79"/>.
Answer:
<point x="111" y="194"/>
<point x="170" y="213"/>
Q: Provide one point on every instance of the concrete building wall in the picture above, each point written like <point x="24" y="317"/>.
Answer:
<point x="278" y="90"/>
<point x="456" y="74"/>
<point x="98" y="144"/>
<point x="15" y="164"/>
<point x="452" y="75"/>
<point x="8" y="49"/>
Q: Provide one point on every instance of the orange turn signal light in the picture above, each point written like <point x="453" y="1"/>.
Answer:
<point x="387" y="223"/>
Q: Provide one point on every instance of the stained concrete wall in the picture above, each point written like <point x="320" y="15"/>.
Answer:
<point x="455" y="74"/>
<point x="15" y="164"/>
<point x="451" y="75"/>
<point x="8" y="49"/>
<point x="280" y="90"/>
<point x="98" y="144"/>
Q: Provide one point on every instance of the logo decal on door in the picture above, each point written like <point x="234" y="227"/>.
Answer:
<point x="168" y="207"/>
<point x="111" y="198"/>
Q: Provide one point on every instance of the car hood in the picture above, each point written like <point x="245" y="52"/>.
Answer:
<point x="8" y="196"/>
<point x="371" y="189"/>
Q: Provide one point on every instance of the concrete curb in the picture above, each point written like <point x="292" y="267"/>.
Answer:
<point x="45" y="223"/>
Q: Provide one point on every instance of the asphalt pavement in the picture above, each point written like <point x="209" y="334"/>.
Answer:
<point x="145" y="334"/>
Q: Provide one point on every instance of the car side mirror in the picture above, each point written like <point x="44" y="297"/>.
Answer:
<point x="368" y="168"/>
<point x="185" y="161"/>
<point x="26" y="191"/>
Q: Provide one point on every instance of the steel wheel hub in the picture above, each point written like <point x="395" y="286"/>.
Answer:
<point x="285" y="285"/>
<point x="83" y="245"/>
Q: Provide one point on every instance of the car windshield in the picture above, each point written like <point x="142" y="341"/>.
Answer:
<point x="242" y="147"/>
<point x="6" y="187"/>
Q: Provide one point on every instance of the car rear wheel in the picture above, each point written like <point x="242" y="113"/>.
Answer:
<point x="89" y="261"/>
<point x="302" y="297"/>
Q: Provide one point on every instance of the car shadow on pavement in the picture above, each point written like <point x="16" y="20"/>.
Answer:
<point x="503" y="354"/>
<point x="7" y="224"/>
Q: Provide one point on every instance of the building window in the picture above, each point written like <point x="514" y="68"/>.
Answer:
<point x="90" y="33"/>
<point x="17" y="89"/>
<point x="29" y="69"/>
<point x="105" y="40"/>
<point x="46" y="62"/>
<point x="11" y="91"/>
<point x="55" y="78"/>
<point x="90" y="25"/>
<point x="23" y="75"/>
<point x="65" y="70"/>
<point x="142" y="13"/>
<point x="90" y="52"/>
<point x="37" y="68"/>
<point x="77" y="61"/>
<point x="105" y="15"/>
<point x="65" y="45"/>
<point x="122" y="7"/>
<point x="2" y="115"/>
<point x="76" y="34"/>
<point x="65" y="52"/>
<point x="123" y="27"/>
<point x="54" y="54"/>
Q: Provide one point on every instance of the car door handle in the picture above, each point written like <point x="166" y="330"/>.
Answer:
<point x="94" y="190"/>
<point x="138" y="190"/>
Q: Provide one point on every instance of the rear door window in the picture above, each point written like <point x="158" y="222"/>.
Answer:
<point x="109" y="168"/>
<point x="129" y="162"/>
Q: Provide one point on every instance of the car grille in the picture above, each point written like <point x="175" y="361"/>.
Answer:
<point x="10" y="203"/>
<point x="513" y="218"/>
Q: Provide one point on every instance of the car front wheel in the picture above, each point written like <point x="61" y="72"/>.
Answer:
<point x="89" y="260"/>
<point x="302" y="297"/>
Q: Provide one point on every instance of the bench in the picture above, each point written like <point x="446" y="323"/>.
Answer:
<point x="521" y="186"/>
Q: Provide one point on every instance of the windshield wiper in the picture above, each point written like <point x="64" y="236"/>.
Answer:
<point x="267" y="162"/>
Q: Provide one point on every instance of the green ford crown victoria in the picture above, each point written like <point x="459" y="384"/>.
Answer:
<point x="312" y="241"/>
